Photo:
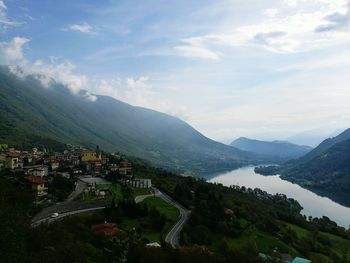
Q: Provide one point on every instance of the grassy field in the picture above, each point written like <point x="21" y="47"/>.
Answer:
<point x="267" y="243"/>
<point x="165" y="208"/>
<point x="301" y="232"/>
<point x="264" y="242"/>
<point x="340" y="246"/>
<point x="141" y="191"/>
<point x="170" y="212"/>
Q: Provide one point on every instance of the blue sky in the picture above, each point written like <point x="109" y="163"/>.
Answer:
<point x="265" y="69"/>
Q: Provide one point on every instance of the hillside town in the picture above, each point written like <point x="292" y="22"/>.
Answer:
<point x="38" y="170"/>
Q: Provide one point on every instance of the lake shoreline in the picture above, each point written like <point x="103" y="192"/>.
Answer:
<point x="315" y="204"/>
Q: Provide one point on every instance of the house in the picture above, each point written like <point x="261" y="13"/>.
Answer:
<point x="36" y="170"/>
<point x="114" y="167"/>
<point x="107" y="229"/>
<point x="94" y="167"/>
<point x="90" y="156"/>
<point x="300" y="260"/>
<point x="38" y="185"/>
<point x="228" y="211"/>
<point x="27" y="159"/>
<point x="139" y="183"/>
<point x="154" y="244"/>
<point x="125" y="168"/>
<point x="73" y="157"/>
<point x="12" y="160"/>
<point x="54" y="165"/>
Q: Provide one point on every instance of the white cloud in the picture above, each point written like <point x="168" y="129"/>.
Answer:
<point x="271" y="12"/>
<point x="51" y="72"/>
<point x="83" y="28"/>
<point x="140" y="92"/>
<point x="90" y="97"/>
<point x="336" y="21"/>
<point x="13" y="51"/>
<point x="192" y="51"/>
<point x="139" y="83"/>
<point x="136" y="91"/>
<point x="296" y="21"/>
<point x="5" y="22"/>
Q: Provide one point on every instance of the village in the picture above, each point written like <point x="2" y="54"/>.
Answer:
<point x="37" y="170"/>
<point x="79" y="181"/>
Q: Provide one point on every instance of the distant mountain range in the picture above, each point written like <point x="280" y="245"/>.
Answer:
<point x="32" y="115"/>
<point x="277" y="149"/>
<point x="313" y="137"/>
<point x="326" y="169"/>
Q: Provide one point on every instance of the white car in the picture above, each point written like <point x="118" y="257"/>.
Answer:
<point x="54" y="215"/>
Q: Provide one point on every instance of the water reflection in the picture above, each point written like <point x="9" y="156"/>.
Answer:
<point x="313" y="204"/>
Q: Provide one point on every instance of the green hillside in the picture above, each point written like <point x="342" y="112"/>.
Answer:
<point x="31" y="115"/>
<point x="325" y="170"/>
<point x="324" y="146"/>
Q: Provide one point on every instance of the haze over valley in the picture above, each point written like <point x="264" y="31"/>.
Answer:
<point x="175" y="131"/>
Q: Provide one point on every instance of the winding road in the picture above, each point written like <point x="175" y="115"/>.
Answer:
<point x="173" y="236"/>
<point x="70" y="207"/>
<point x="51" y="219"/>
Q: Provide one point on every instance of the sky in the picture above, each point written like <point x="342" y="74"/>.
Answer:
<point x="267" y="69"/>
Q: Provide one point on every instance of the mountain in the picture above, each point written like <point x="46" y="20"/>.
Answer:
<point x="33" y="115"/>
<point x="281" y="149"/>
<point x="326" y="169"/>
<point x="325" y="145"/>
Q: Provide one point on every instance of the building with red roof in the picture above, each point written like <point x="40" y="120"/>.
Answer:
<point x="38" y="185"/>
<point x="107" y="229"/>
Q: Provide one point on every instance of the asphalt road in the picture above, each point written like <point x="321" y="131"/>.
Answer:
<point x="79" y="188"/>
<point x="141" y="198"/>
<point x="70" y="207"/>
<point x="173" y="236"/>
<point x="49" y="219"/>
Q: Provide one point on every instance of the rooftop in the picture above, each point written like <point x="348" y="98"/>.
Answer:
<point x="107" y="229"/>
<point x="301" y="260"/>
<point x="35" y="180"/>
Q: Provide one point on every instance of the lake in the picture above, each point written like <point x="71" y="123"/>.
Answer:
<point x="313" y="204"/>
